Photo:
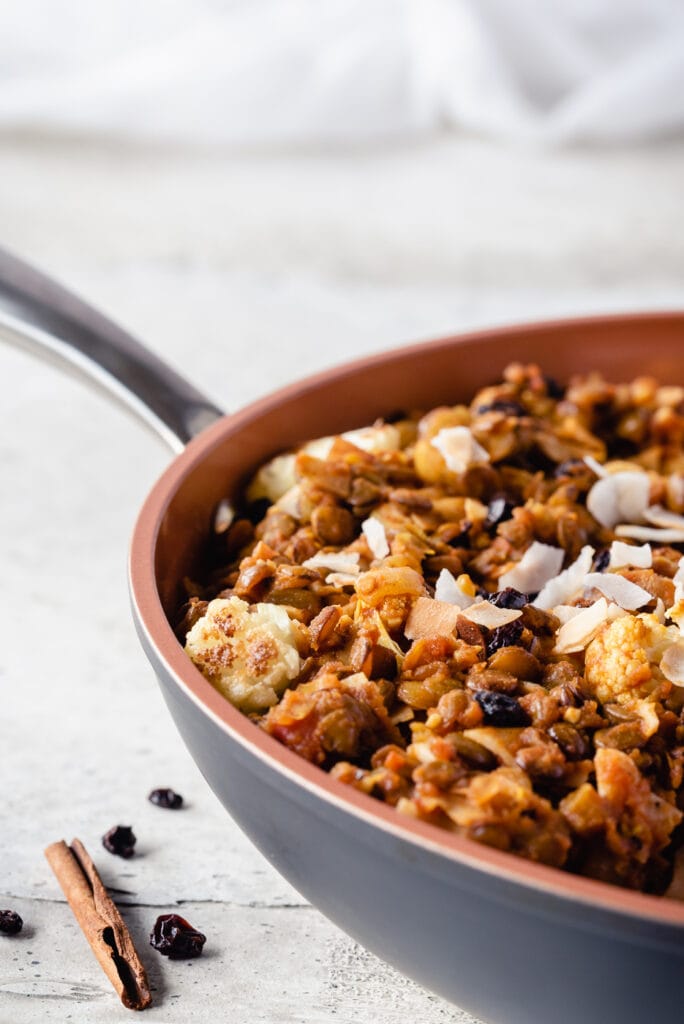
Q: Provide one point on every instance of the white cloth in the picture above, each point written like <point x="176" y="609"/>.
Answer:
<point x="282" y="72"/>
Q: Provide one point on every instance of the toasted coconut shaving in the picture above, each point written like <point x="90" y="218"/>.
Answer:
<point x="672" y="663"/>
<point x="374" y="532"/>
<point x="341" y="579"/>
<point x="575" y="634"/>
<point x="539" y="564"/>
<point x="663" y="517"/>
<point x="448" y="589"/>
<point x="595" y="466"/>
<point x="619" y="496"/>
<point x="459" y="449"/>
<point x="431" y="618"/>
<point x="224" y="516"/>
<point x="565" y="612"/>
<point x="338" y="561"/>
<point x="488" y="615"/>
<point x="290" y="503"/>
<point x="564" y="587"/>
<point x="650" y="533"/>
<point x="625" y="593"/>
<point x="622" y="554"/>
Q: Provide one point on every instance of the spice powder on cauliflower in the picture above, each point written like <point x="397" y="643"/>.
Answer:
<point x="476" y="616"/>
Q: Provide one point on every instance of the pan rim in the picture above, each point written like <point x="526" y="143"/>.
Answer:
<point x="575" y="890"/>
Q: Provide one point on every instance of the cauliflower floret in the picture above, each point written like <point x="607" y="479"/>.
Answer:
<point x="247" y="652"/>
<point x="620" y="661"/>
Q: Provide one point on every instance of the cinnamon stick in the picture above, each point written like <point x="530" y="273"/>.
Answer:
<point x="100" y="922"/>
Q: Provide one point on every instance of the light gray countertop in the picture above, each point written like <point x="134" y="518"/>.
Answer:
<point x="246" y="272"/>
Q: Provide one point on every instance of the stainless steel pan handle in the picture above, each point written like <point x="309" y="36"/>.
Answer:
<point x="40" y="316"/>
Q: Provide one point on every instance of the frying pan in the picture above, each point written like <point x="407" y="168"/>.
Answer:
<point x="511" y="941"/>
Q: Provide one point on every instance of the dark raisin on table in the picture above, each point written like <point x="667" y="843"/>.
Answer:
<point x="175" y="937"/>
<point x="167" y="798"/>
<point x="119" y="841"/>
<point x="501" y="709"/>
<point x="10" y="922"/>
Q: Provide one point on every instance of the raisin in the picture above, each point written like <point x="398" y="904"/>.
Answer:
<point x="501" y="709"/>
<point x="175" y="937"/>
<point x="10" y="922"/>
<point x="119" y="840"/>
<point x="553" y="388"/>
<point x="509" y="598"/>
<point x="601" y="560"/>
<point x="166" y="798"/>
<point x="257" y="509"/>
<point x="498" y="511"/>
<point x="506" y="406"/>
<point x="504" y="636"/>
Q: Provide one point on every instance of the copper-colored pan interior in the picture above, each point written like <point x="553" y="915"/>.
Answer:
<point x="173" y="527"/>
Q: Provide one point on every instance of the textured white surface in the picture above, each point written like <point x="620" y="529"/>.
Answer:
<point x="247" y="273"/>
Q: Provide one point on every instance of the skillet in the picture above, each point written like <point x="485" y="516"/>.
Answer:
<point x="509" y="940"/>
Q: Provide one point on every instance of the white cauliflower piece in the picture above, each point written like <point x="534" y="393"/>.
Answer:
<point x="620" y="661"/>
<point x="247" y="652"/>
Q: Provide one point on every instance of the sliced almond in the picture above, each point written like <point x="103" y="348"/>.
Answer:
<point x="431" y="618"/>
<point x="568" y="584"/>
<point x="619" y="497"/>
<point x="575" y="634"/>
<point x="621" y="554"/>
<point x="484" y="613"/>
<point x="616" y="588"/>
<point x="539" y="564"/>
<point x="374" y="532"/>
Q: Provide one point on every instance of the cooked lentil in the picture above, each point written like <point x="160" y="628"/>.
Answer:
<point x="450" y="658"/>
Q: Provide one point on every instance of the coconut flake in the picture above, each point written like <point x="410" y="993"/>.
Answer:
<point x="622" y="554"/>
<point x="336" y="561"/>
<point x="563" y="588"/>
<point x="273" y="479"/>
<point x="575" y="634"/>
<point x="565" y="612"/>
<point x="659" y="516"/>
<point x="341" y="579"/>
<point x="595" y="466"/>
<point x="224" y="516"/>
<point x="381" y="437"/>
<point x="374" y="532"/>
<point x="619" y="496"/>
<point x="431" y="618"/>
<point x="672" y="663"/>
<point x="459" y="449"/>
<point x="539" y="564"/>
<point x="615" y="587"/>
<point x="448" y="590"/>
<point x="650" y="533"/>
<point x="290" y="502"/>
<point x="484" y="613"/>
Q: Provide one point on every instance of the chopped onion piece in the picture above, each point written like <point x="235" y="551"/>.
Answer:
<point x="459" y="449"/>
<point x="650" y="533"/>
<point x="575" y="634"/>
<point x="619" y="496"/>
<point x="595" y="466"/>
<point x="431" y="618"/>
<point x="447" y="589"/>
<point x="615" y="587"/>
<point x="374" y="532"/>
<point x="672" y="663"/>
<point x="483" y="613"/>
<point x="622" y="554"/>
<point x="659" y="516"/>
<point x="336" y="561"/>
<point x="562" y="588"/>
<point x="539" y="564"/>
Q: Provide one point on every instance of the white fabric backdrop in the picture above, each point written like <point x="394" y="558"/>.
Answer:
<point x="274" y="72"/>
